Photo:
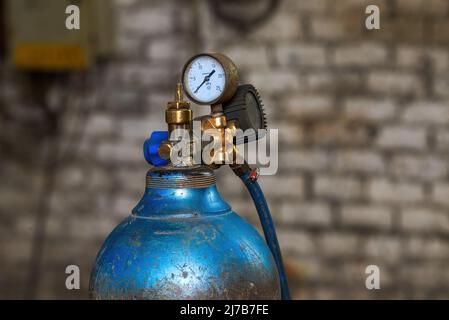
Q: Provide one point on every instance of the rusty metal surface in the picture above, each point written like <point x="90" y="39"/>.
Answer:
<point x="184" y="244"/>
<point x="180" y="177"/>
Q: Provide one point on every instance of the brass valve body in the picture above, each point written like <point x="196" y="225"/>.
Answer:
<point x="178" y="114"/>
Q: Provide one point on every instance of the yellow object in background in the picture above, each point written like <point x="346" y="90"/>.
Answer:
<point x="39" y="39"/>
<point x="50" y="56"/>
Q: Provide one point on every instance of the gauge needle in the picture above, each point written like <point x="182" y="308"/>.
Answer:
<point x="206" y="79"/>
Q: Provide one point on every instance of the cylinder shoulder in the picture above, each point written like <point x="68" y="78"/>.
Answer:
<point x="205" y="257"/>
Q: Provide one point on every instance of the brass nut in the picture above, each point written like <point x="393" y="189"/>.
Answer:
<point x="219" y="122"/>
<point x="165" y="150"/>
<point x="214" y="122"/>
<point x="178" y="105"/>
<point x="232" y="125"/>
<point x="178" y="116"/>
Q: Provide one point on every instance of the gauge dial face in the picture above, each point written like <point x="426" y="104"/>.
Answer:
<point x="204" y="79"/>
<point x="255" y="115"/>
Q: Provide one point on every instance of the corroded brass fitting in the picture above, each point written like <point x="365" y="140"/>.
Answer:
<point x="165" y="150"/>
<point x="217" y="122"/>
<point x="178" y="114"/>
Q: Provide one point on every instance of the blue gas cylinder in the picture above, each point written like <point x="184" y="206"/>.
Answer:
<point x="183" y="241"/>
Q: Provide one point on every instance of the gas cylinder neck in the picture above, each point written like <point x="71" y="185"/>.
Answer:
<point x="182" y="193"/>
<point x="180" y="177"/>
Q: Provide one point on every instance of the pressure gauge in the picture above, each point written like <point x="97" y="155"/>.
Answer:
<point x="246" y="109"/>
<point x="210" y="78"/>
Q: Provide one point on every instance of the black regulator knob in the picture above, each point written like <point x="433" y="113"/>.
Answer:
<point x="246" y="109"/>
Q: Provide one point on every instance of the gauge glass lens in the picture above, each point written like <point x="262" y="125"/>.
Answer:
<point x="205" y="79"/>
<point x="253" y="110"/>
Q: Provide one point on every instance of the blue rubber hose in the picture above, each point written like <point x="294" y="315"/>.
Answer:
<point x="268" y="229"/>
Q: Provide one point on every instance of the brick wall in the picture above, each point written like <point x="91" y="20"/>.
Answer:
<point x="363" y="118"/>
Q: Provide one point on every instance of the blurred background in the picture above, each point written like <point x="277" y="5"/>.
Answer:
<point x="363" y="118"/>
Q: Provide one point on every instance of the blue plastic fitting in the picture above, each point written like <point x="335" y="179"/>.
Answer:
<point x="151" y="146"/>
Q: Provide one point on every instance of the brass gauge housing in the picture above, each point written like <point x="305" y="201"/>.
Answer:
<point x="210" y="78"/>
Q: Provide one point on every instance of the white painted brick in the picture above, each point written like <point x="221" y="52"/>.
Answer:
<point x="280" y="81"/>
<point x="440" y="193"/>
<point x="322" y="81"/>
<point x="289" y="133"/>
<point x="409" y="56"/>
<point x="309" y="106"/>
<point x="229" y="184"/>
<point x="157" y="101"/>
<point x="305" y="213"/>
<point x="245" y="209"/>
<point x="422" y="7"/>
<point x="423" y="219"/>
<point x="73" y="177"/>
<point x="101" y="178"/>
<point x="323" y="293"/>
<point x="353" y="273"/>
<point x="425" y="275"/>
<point x="419" y="247"/>
<point x="301" y="55"/>
<point x="123" y="206"/>
<point x="139" y="74"/>
<point x="348" y="6"/>
<point x="213" y="31"/>
<point x="383" y="247"/>
<point x="413" y="57"/>
<point x="402" y="137"/>
<point x="17" y="199"/>
<point x="131" y="181"/>
<point x="442" y="139"/>
<point x="297" y="242"/>
<point x="128" y="47"/>
<point x="248" y="56"/>
<point x="166" y="50"/>
<point x="125" y="3"/>
<point x="313" y="159"/>
<point x="286" y="26"/>
<point x="24" y="226"/>
<point x="138" y="129"/>
<point x="394" y="83"/>
<point x="339" y="244"/>
<point x="120" y="152"/>
<point x="326" y="28"/>
<point x="382" y="190"/>
<point x="282" y="186"/>
<point x="366" y="109"/>
<point x="428" y="167"/>
<point x="339" y="132"/>
<point x="427" y="112"/>
<point x="441" y="85"/>
<point x="100" y="124"/>
<point x="361" y="54"/>
<point x="439" y="58"/>
<point x="94" y="227"/>
<point x="316" y="6"/>
<point x="318" y="80"/>
<point x="358" y="161"/>
<point x="337" y="187"/>
<point x="311" y="268"/>
<point x="366" y="216"/>
<point x="148" y="21"/>
<point x="17" y="253"/>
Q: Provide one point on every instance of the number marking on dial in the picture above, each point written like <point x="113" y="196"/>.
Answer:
<point x="203" y="74"/>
